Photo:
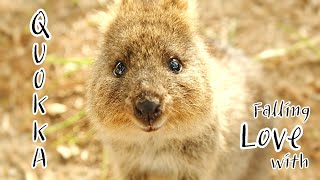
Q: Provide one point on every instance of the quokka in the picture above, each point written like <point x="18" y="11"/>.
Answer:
<point x="167" y="104"/>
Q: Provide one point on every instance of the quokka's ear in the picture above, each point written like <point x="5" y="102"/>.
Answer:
<point x="101" y="19"/>
<point x="122" y="2"/>
<point x="185" y="5"/>
<point x="180" y="4"/>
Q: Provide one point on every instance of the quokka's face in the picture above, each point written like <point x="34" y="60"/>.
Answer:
<point x="150" y="75"/>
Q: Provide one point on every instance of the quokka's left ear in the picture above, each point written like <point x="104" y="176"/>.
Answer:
<point x="187" y="5"/>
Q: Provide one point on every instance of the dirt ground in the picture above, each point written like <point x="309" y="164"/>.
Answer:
<point x="282" y="35"/>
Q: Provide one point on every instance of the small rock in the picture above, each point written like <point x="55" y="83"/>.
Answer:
<point x="64" y="151"/>
<point x="272" y="54"/>
<point x="78" y="103"/>
<point x="70" y="67"/>
<point x="84" y="156"/>
<point x="75" y="151"/>
<point x="56" y="109"/>
<point x="5" y="125"/>
<point x="68" y="151"/>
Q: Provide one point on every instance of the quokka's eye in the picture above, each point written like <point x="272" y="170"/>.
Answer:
<point x="175" y="65"/>
<point x="119" y="69"/>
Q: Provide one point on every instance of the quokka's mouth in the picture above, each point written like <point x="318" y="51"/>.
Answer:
<point x="150" y="128"/>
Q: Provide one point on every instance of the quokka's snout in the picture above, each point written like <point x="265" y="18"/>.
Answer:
<point x="148" y="107"/>
<point x="147" y="110"/>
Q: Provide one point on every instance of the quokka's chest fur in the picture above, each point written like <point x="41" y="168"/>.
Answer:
<point x="173" y="159"/>
<point x="170" y="155"/>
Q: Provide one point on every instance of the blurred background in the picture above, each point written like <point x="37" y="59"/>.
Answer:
<point x="282" y="35"/>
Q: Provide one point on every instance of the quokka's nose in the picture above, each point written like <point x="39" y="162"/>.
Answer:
<point x="147" y="111"/>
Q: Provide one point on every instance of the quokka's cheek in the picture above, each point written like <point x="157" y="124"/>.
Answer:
<point x="116" y="119"/>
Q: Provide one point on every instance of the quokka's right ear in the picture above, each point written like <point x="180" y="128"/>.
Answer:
<point x="125" y="2"/>
<point x="101" y="20"/>
<point x="104" y="18"/>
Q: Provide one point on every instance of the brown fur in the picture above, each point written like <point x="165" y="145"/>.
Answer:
<point x="202" y="107"/>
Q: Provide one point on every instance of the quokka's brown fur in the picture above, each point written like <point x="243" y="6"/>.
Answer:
<point x="202" y="107"/>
